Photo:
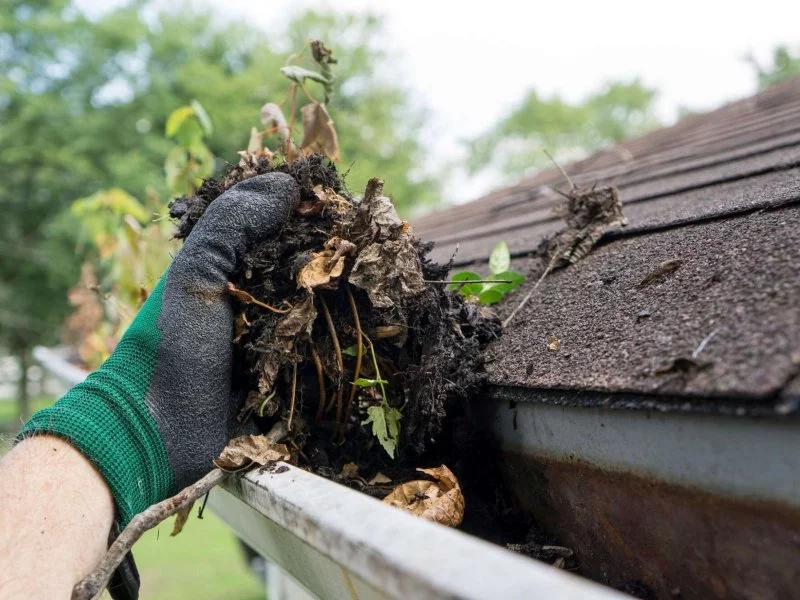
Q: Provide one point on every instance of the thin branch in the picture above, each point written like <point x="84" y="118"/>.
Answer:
<point x="359" y="355"/>
<point x="243" y="296"/>
<point x="533" y="290"/>
<point x="466" y="281"/>
<point x="98" y="579"/>
<point x="294" y="395"/>
<point x="320" y="380"/>
<point x="560" y="168"/>
<point x="339" y="361"/>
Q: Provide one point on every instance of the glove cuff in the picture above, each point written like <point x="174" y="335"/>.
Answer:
<point x="106" y="418"/>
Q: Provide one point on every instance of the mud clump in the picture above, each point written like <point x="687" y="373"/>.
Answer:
<point x="342" y="331"/>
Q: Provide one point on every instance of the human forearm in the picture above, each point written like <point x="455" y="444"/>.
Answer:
<point x="56" y="513"/>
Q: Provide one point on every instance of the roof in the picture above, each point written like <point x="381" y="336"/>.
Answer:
<point x="719" y="194"/>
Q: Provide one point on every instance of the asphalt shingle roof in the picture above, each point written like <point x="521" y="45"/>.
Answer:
<point x="718" y="192"/>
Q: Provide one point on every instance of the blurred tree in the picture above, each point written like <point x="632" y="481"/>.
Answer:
<point x="84" y="104"/>
<point x="785" y="64"/>
<point x="568" y="131"/>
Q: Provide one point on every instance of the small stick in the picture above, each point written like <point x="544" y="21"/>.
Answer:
<point x="243" y="296"/>
<point x="465" y="281"/>
<point x="97" y="580"/>
<point x="294" y="395"/>
<point x="339" y="360"/>
<point x="359" y="355"/>
<point x="530" y="294"/>
<point x="320" y="380"/>
<point x="560" y="168"/>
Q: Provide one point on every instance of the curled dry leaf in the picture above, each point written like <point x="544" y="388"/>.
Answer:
<point x="272" y="117"/>
<point x="441" y="501"/>
<point x="318" y="131"/>
<point x="321" y="271"/>
<point x="181" y="517"/>
<point x="247" y="450"/>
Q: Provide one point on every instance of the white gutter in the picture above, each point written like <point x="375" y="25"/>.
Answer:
<point x="339" y="543"/>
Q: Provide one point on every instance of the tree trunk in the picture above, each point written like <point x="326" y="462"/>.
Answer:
<point x="23" y="356"/>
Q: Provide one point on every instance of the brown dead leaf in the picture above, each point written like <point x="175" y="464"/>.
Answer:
<point x="272" y="117"/>
<point x="247" y="450"/>
<point x="241" y="326"/>
<point x="181" y="517"/>
<point x="321" y="271"/>
<point x="389" y="272"/>
<point x="379" y="479"/>
<point x="440" y="501"/>
<point x="554" y="345"/>
<point x="349" y="470"/>
<point x="318" y="131"/>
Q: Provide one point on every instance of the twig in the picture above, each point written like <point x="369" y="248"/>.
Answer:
<point x="359" y="355"/>
<point x="530" y="294"/>
<point x="97" y="580"/>
<point x="294" y="396"/>
<point x="560" y="168"/>
<point x="320" y="380"/>
<point x="338" y="350"/>
<point x="466" y="281"/>
<point x="243" y="296"/>
<point x="705" y="341"/>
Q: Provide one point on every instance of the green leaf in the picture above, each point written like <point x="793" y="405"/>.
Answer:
<point x="299" y="74"/>
<point x="468" y="289"/>
<point x="514" y="278"/>
<point x="365" y="383"/>
<point x="500" y="260"/>
<point x="385" y="425"/>
<point x="490" y="296"/>
<point x="202" y="116"/>
<point x="177" y="118"/>
<point x="350" y="350"/>
<point x="189" y="133"/>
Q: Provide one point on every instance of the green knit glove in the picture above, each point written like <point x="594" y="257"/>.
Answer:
<point x="161" y="408"/>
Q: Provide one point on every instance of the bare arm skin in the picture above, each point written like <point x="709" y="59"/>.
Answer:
<point x="56" y="513"/>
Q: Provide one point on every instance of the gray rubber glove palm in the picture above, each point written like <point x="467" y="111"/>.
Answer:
<point x="159" y="410"/>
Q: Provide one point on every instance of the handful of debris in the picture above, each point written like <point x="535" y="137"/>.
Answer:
<point x="344" y="329"/>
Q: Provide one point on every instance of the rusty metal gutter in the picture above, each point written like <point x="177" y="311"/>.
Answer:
<point x="660" y="504"/>
<point x="339" y="543"/>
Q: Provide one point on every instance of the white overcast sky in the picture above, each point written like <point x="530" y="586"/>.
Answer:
<point x="691" y="51"/>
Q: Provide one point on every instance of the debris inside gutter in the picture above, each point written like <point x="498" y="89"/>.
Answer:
<point x="348" y="338"/>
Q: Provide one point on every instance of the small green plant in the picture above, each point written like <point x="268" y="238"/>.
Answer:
<point x="502" y="280"/>
<point x="385" y="419"/>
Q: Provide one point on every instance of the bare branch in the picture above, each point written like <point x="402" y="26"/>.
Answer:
<point x="97" y="580"/>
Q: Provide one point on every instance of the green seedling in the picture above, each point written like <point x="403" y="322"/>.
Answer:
<point x="385" y="419"/>
<point x="503" y="280"/>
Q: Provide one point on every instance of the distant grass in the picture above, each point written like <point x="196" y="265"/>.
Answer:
<point x="204" y="562"/>
<point x="9" y="410"/>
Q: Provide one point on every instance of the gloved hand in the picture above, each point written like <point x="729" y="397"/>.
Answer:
<point x="159" y="410"/>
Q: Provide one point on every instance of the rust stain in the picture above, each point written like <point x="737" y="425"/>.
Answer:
<point x="652" y="538"/>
